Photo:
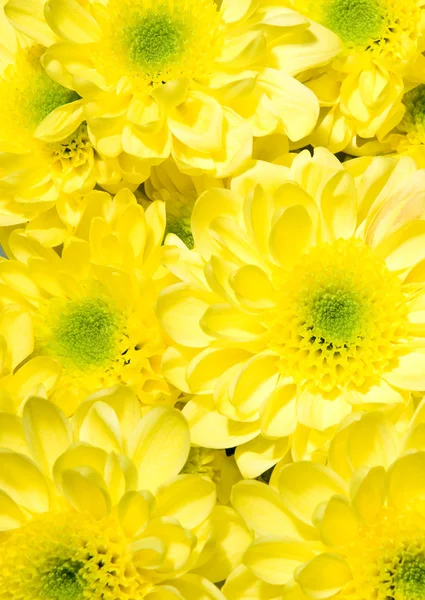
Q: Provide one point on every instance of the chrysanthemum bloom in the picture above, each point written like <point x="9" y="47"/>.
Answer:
<point x="95" y="507"/>
<point x="361" y="92"/>
<point x="194" y="79"/>
<point x="353" y="529"/>
<point x="301" y="304"/>
<point x="90" y="318"/>
<point x="46" y="151"/>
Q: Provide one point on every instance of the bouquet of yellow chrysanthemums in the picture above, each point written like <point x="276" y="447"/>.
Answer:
<point x="212" y="299"/>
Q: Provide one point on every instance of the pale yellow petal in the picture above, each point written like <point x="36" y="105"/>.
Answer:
<point x="303" y="486"/>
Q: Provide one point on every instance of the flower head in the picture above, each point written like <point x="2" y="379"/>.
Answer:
<point x="303" y="306"/>
<point x="352" y="529"/>
<point x="101" y="509"/>
<point x="362" y="91"/>
<point x="192" y="79"/>
<point x="91" y="314"/>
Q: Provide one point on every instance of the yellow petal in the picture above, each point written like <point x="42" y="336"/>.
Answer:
<point x="101" y="428"/>
<point x="17" y="329"/>
<point x="256" y="380"/>
<point x="134" y="511"/>
<point x="47" y="431"/>
<point x="180" y="309"/>
<point x="232" y="538"/>
<point x="258" y="455"/>
<point x="291" y="236"/>
<point x="324" y="576"/>
<point x="252" y="287"/>
<point x="210" y="205"/>
<point x="61" y="122"/>
<point x="262" y="509"/>
<point x="159" y="446"/>
<point x="372" y="442"/>
<point x="71" y="21"/>
<point x="211" y="429"/>
<point x="298" y="106"/>
<point x="193" y="587"/>
<point x="84" y="490"/>
<point x="23" y="482"/>
<point x="319" y="412"/>
<point x="303" y="486"/>
<point x="279" y="412"/>
<point x="406" y="480"/>
<point x="409" y="374"/>
<point x="339" y="525"/>
<point x="179" y="543"/>
<point x="226" y="322"/>
<point x="204" y="369"/>
<point x="189" y="499"/>
<point x="11" y="516"/>
<point x="369" y="497"/>
<point x="79" y="455"/>
<point x="276" y="561"/>
<point x="339" y="206"/>
<point x="28" y="18"/>
<point x="242" y="584"/>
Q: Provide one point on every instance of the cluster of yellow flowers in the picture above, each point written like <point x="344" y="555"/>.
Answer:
<point x="212" y="299"/>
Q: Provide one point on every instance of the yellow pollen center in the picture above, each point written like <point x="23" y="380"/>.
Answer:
<point x="339" y="319"/>
<point x="387" y="560"/>
<point x="161" y="41"/>
<point x="69" y="556"/>
<point x="413" y="123"/>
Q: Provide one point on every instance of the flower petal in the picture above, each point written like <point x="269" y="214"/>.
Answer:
<point x="258" y="455"/>
<point x="409" y="374"/>
<point x="159" y="446"/>
<point x="263" y="510"/>
<point x="324" y="576"/>
<point x="47" y="431"/>
<point x="303" y="486"/>
<point x="71" y="21"/>
<point x="275" y="561"/>
<point x="211" y="429"/>
<point x="23" y="482"/>
<point x="189" y="499"/>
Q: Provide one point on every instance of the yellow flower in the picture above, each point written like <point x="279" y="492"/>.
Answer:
<point x="301" y="304"/>
<point x="46" y="152"/>
<point x="352" y="529"/>
<point x="189" y="78"/>
<point x="95" y="506"/>
<point x="89" y="314"/>
<point x="361" y="92"/>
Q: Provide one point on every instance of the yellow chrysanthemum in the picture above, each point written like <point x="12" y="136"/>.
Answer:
<point x="351" y="530"/>
<point x="95" y="506"/>
<point x="301" y="302"/>
<point x="361" y="93"/>
<point x="194" y="79"/>
<point x="47" y="155"/>
<point x="89" y="314"/>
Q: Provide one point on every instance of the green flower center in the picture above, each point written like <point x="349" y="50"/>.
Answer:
<point x="355" y="21"/>
<point x="409" y="580"/>
<point x="157" y="40"/>
<point x="335" y="315"/>
<point x="181" y="228"/>
<point x="63" y="582"/>
<point x="86" y="333"/>
<point x="414" y="101"/>
<point x="44" y="96"/>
